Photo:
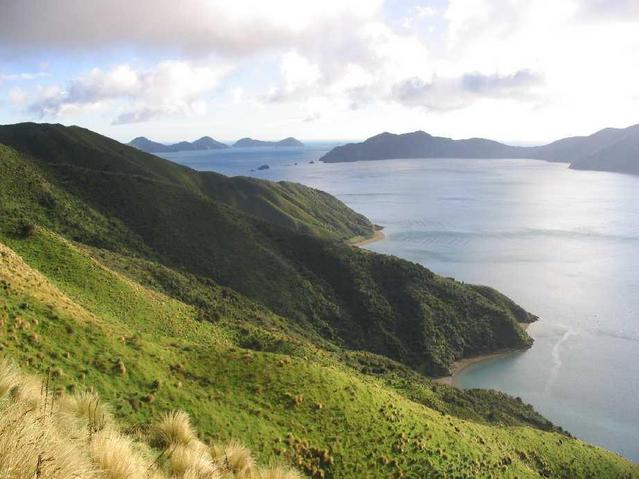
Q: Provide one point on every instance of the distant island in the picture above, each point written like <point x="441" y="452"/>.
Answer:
<point x="251" y="143"/>
<point x="611" y="149"/>
<point x="149" y="146"/>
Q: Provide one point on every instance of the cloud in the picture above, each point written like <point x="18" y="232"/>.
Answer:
<point x="18" y="97"/>
<point x="240" y="27"/>
<point x="171" y="88"/>
<point x="442" y="94"/>
<point x="351" y="71"/>
<point x="299" y="76"/>
<point x="602" y="10"/>
<point x="312" y="117"/>
<point x="21" y="76"/>
<point x="363" y="63"/>
<point x="342" y="50"/>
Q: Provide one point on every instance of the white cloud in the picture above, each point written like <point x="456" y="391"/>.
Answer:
<point x="171" y="88"/>
<point x="18" y="97"/>
<point x="619" y="10"/>
<point x="21" y="76"/>
<point x="454" y="93"/>
<point x="189" y="26"/>
<point x="353" y="71"/>
<point x="337" y="61"/>
<point x="423" y="11"/>
<point x="299" y="75"/>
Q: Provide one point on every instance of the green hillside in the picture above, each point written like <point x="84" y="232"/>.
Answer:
<point x="104" y="194"/>
<point x="162" y="289"/>
<point x="330" y="413"/>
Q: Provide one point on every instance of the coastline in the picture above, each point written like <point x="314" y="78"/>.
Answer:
<point x="378" y="235"/>
<point x="464" y="363"/>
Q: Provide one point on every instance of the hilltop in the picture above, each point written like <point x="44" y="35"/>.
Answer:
<point x="611" y="149"/>
<point x="204" y="143"/>
<point x="418" y="144"/>
<point x="251" y="143"/>
<point x="238" y="301"/>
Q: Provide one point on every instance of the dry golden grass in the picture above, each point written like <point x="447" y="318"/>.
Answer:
<point x="18" y="386"/>
<point x="278" y="472"/>
<point x="31" y="283"/>
<point x="87" y="406"/>
<point x="187" y="461"/>
<point x="75" y="437"/>
<point x="116" y="456"/>
<point x="32" y="445"/>
<point x="41" y="437"/>
<point x="233" y="458"/>
<point x="119" y="456"/>
<point x="9" y="377"/>
<point x="174" y="428"/>
<point x="36" y="441"/>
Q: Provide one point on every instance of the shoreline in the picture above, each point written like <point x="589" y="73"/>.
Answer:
<point x="464" y="363"/>
<point x="378" y="235"/>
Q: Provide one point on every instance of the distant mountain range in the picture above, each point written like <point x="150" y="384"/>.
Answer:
<point x="611" y="149"/>
<point x="149" y="146"/>
<point x="205" y="143"/>
<point x="251" y="143"/>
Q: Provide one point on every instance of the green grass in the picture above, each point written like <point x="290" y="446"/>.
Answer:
<point x="312" y="408"/>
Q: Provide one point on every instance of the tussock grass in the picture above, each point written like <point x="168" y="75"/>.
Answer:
<point x="74" y="436"/>
<point x="117" y="456"/>
<point x="278" y="472"/>
<point x="36" y="441"/>
<point x="174" y="428"/>
<point x="9" y="377"/>
<point x="192" y="462"/>
<point x="88" y="406"/>
<point x="234" y="457"/>
<point x="22" y="388"/>
<point x="32" y="445"/>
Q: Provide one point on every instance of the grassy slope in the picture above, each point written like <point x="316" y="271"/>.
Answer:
<point x="107" y="195"/>
<point x="67" y="313"/>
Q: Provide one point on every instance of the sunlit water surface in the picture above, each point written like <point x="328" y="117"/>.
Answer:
<point x="564" y="244"/>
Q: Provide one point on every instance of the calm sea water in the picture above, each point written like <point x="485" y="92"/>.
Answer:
<point x="562" y="243"/>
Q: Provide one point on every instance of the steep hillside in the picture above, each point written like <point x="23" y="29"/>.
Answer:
<point x="79" y="183"/>
<point x="80" y="324"/>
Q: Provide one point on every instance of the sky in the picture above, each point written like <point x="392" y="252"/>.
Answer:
<point x="520" y="71"/>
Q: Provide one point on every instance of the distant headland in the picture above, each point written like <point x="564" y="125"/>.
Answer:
<point x="251" y="143"/>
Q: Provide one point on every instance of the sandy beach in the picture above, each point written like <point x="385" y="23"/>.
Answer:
<point x="460" y="365"/>
<point x="377" y="236"/>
